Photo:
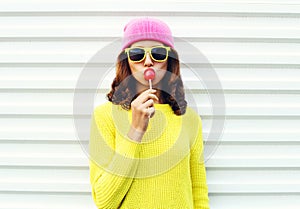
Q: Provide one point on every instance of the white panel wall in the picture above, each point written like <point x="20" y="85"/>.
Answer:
<point x="254" y="47"/>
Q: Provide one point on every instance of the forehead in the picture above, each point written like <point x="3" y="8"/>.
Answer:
<point x="146" y="43"/>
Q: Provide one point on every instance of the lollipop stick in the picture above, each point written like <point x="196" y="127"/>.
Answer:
<point x="150" y="83"/>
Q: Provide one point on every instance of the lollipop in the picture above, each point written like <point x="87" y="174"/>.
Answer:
<point x="149" y="75"/>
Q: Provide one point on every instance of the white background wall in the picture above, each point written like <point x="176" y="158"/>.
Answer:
<point x="254" y="46"/>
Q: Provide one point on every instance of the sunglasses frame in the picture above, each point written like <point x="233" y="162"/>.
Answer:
<point x="148" y="50"/>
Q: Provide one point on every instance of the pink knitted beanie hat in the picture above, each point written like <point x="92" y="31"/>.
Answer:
<point x="147" y="29"/>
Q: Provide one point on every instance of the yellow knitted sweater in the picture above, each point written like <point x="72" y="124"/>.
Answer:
<point x="165" y="171"/>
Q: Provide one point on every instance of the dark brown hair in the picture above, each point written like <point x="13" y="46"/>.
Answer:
<point x="123" y="87"/>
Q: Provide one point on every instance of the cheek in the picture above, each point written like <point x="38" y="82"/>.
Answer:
<point x="162" y="71"/>
<point x="163" y="67"/>
<point x="132" y="68"/>
<point x="136" y="71"/>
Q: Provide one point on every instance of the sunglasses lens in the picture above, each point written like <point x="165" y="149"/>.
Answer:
<point x="159" y="53"/>
<point x="136" y="54"/>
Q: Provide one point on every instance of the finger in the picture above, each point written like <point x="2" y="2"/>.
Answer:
<point x="149" y="91"/>
<point x="146" y="95"/>
<point x="154" y="97"/>
<point x="147" y="104"/>
<point x="151" y="112"/>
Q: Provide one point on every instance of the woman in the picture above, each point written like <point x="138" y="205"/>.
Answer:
<point x="146" y="145"/>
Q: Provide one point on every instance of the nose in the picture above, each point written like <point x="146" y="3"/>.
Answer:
<point x="148" y="60"/>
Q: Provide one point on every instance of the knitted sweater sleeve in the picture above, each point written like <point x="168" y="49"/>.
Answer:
<point x="198" y="173"/>
<point x="112" y="165"/>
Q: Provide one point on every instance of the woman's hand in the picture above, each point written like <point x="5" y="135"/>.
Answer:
<point x="142" y="110"/>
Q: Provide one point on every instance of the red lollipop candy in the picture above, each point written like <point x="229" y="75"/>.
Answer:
<point x="149" y="74"/>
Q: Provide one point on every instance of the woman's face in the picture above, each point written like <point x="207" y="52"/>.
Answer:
<point x="138" y="68"/>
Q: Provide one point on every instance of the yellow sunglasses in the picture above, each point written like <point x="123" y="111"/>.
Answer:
<point x="157" y="53"/>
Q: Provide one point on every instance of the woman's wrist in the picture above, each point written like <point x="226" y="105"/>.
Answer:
<point x="135" y="134"/>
